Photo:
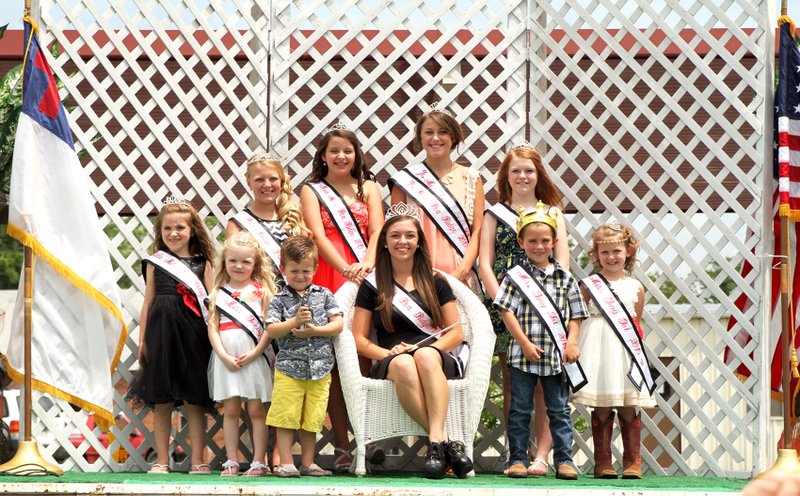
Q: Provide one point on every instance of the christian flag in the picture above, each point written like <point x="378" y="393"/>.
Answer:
<point x="786" y="204"/>
<point x="78" y="329"/>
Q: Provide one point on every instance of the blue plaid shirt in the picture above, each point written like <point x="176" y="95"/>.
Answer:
<point x="563" y="289"/>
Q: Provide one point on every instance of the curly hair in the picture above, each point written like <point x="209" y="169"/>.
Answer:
<point x="262" y="272"/>
<point x="545" y="190"/>
<point x="288" y="211"/>
<point x="614" y="233"/>
<point x="360" y="172"/>
<point x="200" y="242"/>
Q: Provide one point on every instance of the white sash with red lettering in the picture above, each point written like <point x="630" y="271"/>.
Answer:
<point x="243" y="315"/>
<point x="183" y="274"/>
<point x="271" y="246"/>
<point x="415" y="315"/>
<point x="617" y="316"/>
<point x="422" y="185"/>
<point x="551" y="318"/>
<point x="342" y="217"/>
<point x="504" y="214"/>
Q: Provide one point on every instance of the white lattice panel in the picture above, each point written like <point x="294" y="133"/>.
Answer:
<point x="630" y="101"/>
<point x="652" y="114"/>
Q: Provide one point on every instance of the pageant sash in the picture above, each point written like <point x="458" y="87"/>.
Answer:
<point x="183" y="274"/>
<point x="552" y="319"/>
<point x="271" y="246"/>
<point x="620" y="320"/>
<point x="242" y="315"/>
<point x="504" y="214"/>
<point x="342" y="218"/>
<point x="422" y="185"/>
<point x="415" y="315"/>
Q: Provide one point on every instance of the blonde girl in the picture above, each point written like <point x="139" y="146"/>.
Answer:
<point x="238" y="370"/>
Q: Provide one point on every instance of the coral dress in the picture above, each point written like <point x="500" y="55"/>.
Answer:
<point x="326" y="275"/>
<point x="605" y="360"/>
<point x="254" y="380"/>
<point x="443" y="256"/>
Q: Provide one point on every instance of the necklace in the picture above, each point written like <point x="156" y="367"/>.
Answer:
<point x="449" y="178"/>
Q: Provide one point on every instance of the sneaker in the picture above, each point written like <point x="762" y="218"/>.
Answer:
<point x="457" y="459"/>
<point x="435" y="463"/>
<point x="517" y="471"/>
<point x="314" y="470"/>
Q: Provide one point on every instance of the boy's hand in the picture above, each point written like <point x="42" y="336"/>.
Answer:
<point x="303" y="316"/>
<point x="532" y="352"/>
<point x="306" y="331"/>
<point x="571" y="353"/>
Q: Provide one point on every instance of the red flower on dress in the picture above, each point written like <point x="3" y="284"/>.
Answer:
<point x="236" y="295"/>
<point x="189" y="299"/>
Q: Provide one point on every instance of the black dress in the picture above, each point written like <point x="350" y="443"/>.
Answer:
<point x="404" y="331"/>
<point x="176" y="338"/>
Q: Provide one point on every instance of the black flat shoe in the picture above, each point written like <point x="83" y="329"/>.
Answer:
<point x="435" y="463"/>
<point x="457" y="459"/>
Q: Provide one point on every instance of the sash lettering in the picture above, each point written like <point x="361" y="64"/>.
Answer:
<point x="180" y="272"/>
<point x="422" y="185"/>
<point x="617" y="316"/>
<point x="415" y="315"/>
<point x="548" y="313"/>
<point x="505" y="214"/>
<point x="242" y="314"/>
<point x="248" y="222"/>
<point x="342" y="218"/>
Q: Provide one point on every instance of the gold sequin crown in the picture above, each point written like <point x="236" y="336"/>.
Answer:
<point x="541" y="214"/>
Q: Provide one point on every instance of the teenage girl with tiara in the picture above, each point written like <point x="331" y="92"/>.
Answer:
<point x="450" y="196"/>
<point x="522" y="181"/>
<point x="273" y="208"/>
<point x="238" y="370"/>
<point x="343" y="208"/>
<point x="618" y="374"/>
<point x="173" y="339"/>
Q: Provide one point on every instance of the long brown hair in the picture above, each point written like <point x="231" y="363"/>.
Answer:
<point x="360" y="172"/>
<point x="262" y="272"/>
<point x="200" y="241"/>
<point x="421" y="273"/>
<point x="545" y="190"/>
<point x="446" y="121"/>
<point x="288" y="212"/>
<point x="614" y="233"/>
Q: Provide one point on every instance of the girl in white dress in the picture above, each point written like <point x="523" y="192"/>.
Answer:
<point x="606" y="361"/>
<point x="238" y="370"/>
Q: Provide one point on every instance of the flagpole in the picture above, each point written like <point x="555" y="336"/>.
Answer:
<point x="786" y="332"/>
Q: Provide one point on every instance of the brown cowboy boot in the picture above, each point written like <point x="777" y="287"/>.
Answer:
<point x="601" y="434"/>
<point x="631" y="442"/>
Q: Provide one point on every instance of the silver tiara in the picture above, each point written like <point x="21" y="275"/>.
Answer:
<point x="437" y="106"/>
<point x="242" y="239"/>
<point x="262" y="157"/>
<point x="175" y="200"/>
<point x="339" y="126"/>
<point x="402" y="209"/>
<point x="523" y="144"/>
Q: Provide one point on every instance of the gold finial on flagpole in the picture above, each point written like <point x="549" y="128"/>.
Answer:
<point x="27" y="8"/>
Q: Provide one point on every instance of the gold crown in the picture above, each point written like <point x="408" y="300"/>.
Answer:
<point x="541" y="214"/>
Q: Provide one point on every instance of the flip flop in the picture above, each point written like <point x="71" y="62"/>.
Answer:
<point x="200" y="469"/>
<point x="158" y="468"/>
<point x="538" y="468"/>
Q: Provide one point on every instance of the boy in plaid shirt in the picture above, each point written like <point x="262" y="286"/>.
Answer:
<point x="533" y="356"/>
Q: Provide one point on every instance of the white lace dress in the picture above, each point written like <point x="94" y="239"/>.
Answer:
<point x="605" y="360"/>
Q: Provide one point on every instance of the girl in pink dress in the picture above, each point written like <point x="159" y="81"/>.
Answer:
<point x="437" y="133"/>
<point x="340" y="172"/>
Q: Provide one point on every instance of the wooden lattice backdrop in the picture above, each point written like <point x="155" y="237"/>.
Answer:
<point x="650" y="113"/>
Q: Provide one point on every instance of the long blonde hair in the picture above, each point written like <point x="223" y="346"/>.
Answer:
<point x="262" y="272"/>
<point x="288" y="212"/>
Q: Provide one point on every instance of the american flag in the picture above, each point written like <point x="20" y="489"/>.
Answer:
<point x="786" y="208"/>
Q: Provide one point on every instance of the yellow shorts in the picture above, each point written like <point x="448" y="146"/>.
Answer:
<point x="299" y="404"/>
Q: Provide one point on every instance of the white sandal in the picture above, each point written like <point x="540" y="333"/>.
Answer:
<point x="533" y="471"/>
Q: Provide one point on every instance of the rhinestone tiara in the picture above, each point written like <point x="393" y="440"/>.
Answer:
<point x="437" y="106"/>
<point x="262" y="157"/>
<point x="339" y="126"/>
<point x="402" y="209"/>
<point x="523" y="144"/>
<point x="175" y="200"/>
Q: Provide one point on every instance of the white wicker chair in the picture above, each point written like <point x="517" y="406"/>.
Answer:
<point x="372" y="405"/>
